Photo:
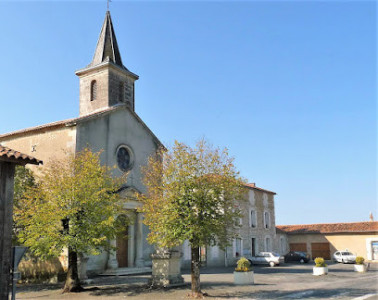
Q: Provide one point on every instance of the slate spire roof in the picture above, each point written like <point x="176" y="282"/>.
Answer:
<point x="107" y="47"/>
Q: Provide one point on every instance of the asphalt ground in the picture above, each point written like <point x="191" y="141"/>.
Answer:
<point x="289" y="281"/>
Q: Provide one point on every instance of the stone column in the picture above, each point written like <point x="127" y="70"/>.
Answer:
<point x="112" y="259"/>
<point x="6" y="214"/>
<point x="131" y="250"/>
<point x="139" y="262"/>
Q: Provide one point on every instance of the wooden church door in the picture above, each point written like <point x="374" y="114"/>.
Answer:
<point x="122" y="249"/>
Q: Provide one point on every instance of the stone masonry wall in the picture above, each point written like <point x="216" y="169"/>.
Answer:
<point x="113" y="86"/>
<point x="86" y="105"/>
<point x="45" y="145"/>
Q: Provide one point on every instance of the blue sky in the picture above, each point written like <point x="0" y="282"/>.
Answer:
<point x="289" y="87"/>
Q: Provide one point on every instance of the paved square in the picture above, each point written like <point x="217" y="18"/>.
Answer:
<point x="290" y="281"/>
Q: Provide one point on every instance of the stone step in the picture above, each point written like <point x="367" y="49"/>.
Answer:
<point x="126" y="271"/>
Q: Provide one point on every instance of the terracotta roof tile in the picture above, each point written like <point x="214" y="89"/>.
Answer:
<point x="253" y="186"/>
<point x="7" y="154"/>
<point x="330" y="228"/>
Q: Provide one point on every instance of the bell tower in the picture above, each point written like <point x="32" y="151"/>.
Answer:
<point x="106" y="82"/>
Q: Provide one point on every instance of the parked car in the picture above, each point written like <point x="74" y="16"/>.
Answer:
<point x="344" y="257"/>
<point x="266" y="258"/>
<point x="299" y="256"/>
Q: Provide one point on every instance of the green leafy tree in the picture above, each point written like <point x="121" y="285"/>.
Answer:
<point x="74" y="207"/>
<point x="191" y="195"/>
<point x="23" y="179"/>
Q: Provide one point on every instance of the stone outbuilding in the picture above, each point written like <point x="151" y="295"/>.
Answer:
<point x="322" y="240"/>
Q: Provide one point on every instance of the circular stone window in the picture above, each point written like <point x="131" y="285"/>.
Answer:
<point x="124" y="158"/>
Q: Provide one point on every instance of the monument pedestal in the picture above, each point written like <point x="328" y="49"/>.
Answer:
<point x="166" y="269"/>
<point x="82" y="267"/>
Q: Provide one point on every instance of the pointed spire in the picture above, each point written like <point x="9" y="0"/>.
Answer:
<point x="107" y="47"/>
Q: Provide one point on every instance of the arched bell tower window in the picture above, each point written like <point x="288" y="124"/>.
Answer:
<point x="93" y="90"/>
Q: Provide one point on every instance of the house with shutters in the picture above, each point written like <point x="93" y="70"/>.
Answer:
<point x="257" y="232"/>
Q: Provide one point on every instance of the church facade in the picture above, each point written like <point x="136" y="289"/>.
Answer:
<point x="108" y="122"/>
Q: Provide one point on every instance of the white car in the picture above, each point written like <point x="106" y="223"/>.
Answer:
<point x="344" y="257"/>
<point x="266" y="258"/>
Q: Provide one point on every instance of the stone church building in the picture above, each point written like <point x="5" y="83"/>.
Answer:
<point x="108" y="122"/>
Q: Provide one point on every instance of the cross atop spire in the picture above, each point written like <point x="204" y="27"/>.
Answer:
<point x="107" y="47"/>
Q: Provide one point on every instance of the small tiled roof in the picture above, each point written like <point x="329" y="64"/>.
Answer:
<point x="7" y="154"/>
<point x="370" y="226"/>
<point x="253" y="186"/>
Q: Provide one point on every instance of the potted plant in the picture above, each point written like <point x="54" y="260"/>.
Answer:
<point x="243" y="274"/>
<point x="360" y="266"/>
<point x="320" y="267"/>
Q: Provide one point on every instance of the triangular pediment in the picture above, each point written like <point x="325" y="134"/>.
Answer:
<point x="129" y="192"/>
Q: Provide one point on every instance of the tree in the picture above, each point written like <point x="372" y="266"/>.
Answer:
<point x="23" y="180"/>
<point x="74" y="206"/>
<point x="191" y="195"/>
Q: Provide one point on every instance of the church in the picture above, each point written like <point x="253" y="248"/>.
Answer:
<point x="107" y="121"/>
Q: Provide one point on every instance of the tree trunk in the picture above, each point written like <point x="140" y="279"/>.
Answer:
<point x="195" y="272"/>
<point x="72" y="281"/>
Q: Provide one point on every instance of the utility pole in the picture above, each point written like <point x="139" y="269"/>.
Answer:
<point x="6" y="211"/>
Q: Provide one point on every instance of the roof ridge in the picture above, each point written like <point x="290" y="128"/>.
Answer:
<point x="329" y="223"/>
<point x="57" y="123"/>
<point x="253" y="186"/>
<point x="72" y="121"/>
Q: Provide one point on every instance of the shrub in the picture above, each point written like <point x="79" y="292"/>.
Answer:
<point x="319" y="262"/>
<point x="360" y="260"/>
<point x="35" y="270"/>
<point x="243" y="265"/>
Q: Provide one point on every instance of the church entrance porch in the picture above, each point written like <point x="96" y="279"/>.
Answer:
<point x="129" y="249"/>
